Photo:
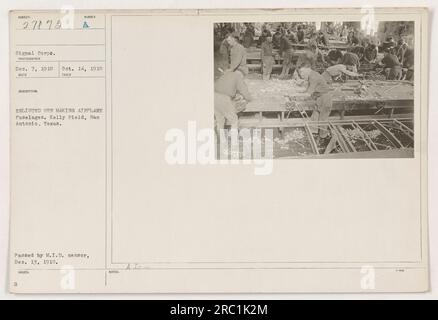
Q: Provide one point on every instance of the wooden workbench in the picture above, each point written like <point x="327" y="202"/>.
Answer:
<point x="269" y="95"/>
<point x="253" y="59"/>
<point x="380" y="99"/>
<point x="333" y="44"/>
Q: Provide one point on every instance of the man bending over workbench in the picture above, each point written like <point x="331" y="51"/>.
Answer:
<point x="226" y="106"/>
<point x="393" y="67"/>
<point x="319" y="90"/>
<point x="337" y="71"/>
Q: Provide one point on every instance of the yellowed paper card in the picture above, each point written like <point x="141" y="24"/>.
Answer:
<point x="200" y="151"/>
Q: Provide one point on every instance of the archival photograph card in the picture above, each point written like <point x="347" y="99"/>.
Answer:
<point x="219" y="151"/>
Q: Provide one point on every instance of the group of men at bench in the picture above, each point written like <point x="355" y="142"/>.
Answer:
<point x="234" y="69"/>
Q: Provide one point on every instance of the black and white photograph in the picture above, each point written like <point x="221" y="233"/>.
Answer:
<point x="340" y="89"/>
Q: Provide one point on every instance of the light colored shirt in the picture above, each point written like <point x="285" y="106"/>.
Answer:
<point x="231" y="83"/>
<point x="317" y="84"/>
<point x="237" y="56"/>
<point x="336" y="71"/>
<point x="266" y="49"/>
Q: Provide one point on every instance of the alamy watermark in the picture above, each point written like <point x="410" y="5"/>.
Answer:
<point x="205" y="146"/>
<point x="368" y="278"/>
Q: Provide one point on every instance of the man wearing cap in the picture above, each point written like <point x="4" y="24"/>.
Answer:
<point x="248" y="35"/>
<point x="393" y="67"/>
<point x="265" y="33"/>
<point x="388" y="44"/>
<point x="319" y="90"/>
<point x="312" y="46"/>
<point x="300" y="34"/>
<point x="408" y="63"/>
<point x="276" y="37"/>
<point x="267" y="56"/>
<point x="237" y="55"/>
<point x="225" y="90"/>
<point x="287" y="52"/>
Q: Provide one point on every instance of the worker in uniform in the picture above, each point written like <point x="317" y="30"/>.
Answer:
<point x="267" y="56"/>
<point x="225" y="90"/>
<point x="352" y="39"/>
<point x="359" y="51"/>
<point x="334" y="57"/>
<point x="393" y="67"/>
<point x="265" y="33"/>
<point x="323" y="39"/>
<point x="370" y="53"/>
<point x="388" y="44"/>
<point x="248" y="36"/>
<point x="314" y="48"/>
<point x="319" y="90"/>
<point x="344" y="33"/>
<point x="291" y="36"/>
<point x="351" y="59"/>
<point x="401" y="48"/>
<point x="300" y="34"/>
<point x="408" y="64"/>
<point x="287" y="52"/>
<point x="237" y="55"/>
<point x="336" y="71"/>
<point x="223" y="55"/>
<point x="276" y="37"/>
